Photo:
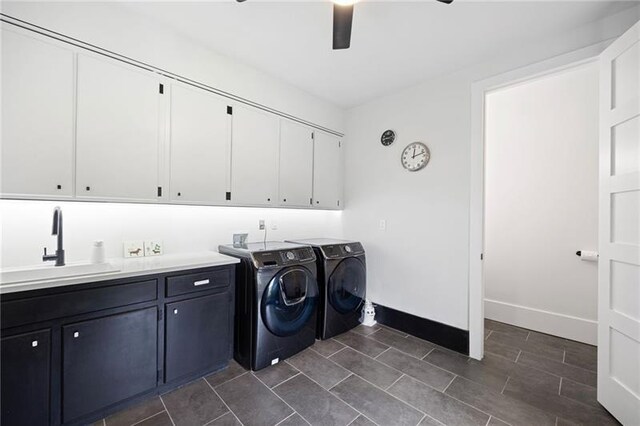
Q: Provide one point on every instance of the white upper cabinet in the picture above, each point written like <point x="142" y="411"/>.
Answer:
<point x="254" y="157"/>
<point x="117" y="152"/>
<point x="37" y="117"/>
<point x="327" y="171"/>
<point x="200" y="144"/>
<point x="296" y="164"/>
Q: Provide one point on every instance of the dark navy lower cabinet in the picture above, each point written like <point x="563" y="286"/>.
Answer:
<point x="26" y="375"/>
<point x="73" y="355"/>
<point x="198" y="335"/>
<point x="107" y="360"/>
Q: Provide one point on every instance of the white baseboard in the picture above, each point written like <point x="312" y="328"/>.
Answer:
<point x="567" y="326"/>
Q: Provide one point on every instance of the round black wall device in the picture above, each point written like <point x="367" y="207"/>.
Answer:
<point x="388" y="137"/>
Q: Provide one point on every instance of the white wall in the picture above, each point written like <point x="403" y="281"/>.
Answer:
<point x="114" y="27"/>
<point x="420" y="264"/>
<point x="541" y="203"/>
<point x="26" y="227"/>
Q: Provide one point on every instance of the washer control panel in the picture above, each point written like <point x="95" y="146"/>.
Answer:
<point x="266" y="259"/>
<point x="342" y="250"/>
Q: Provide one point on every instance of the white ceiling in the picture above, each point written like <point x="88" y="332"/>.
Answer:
<point x="394" y="44"/>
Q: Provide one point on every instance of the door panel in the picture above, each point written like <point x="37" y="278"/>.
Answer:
<point x="327" y="171"/>
<point x="200" y="143"/>
<point x="289" y="301"/>
<point x="38" y="83"/>
<point x="197" y="335"/>
<point x="117" y="154"/>
<point x="296" y="164"/>
<point x="619" y="239"/>
<point x="107" y="360"/>
<point x="25" y="378"/>
<point x="347" y="286"/>
<point x="254" y="157"/>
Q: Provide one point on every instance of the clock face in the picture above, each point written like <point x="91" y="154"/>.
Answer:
<point x="415" y="156"/>
<point x="388" y="137"/>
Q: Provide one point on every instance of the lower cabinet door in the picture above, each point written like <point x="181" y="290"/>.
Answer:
<point x="107" y="360"/>
<point x="197" y="335"/>
<point x="25" y="378"/>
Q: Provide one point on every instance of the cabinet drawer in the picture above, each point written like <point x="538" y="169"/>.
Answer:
<point x="44" y="308"/>
<point x="200" y="281"/>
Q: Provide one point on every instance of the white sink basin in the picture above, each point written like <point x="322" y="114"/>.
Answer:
<point x="50" y="272"/>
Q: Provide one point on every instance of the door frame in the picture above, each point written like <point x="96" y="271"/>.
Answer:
<point x="479" y="90"/>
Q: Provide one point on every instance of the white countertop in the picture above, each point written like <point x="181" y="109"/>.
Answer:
<point x="126" y="268"/>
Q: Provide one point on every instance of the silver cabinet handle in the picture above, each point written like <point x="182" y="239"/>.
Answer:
<point x="201" y="282"/>
<point x="76" y="334"/>
<point x="34" y="343"/>
<point x="175" y="312"/>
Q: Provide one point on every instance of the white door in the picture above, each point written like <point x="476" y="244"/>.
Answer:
<point x="200" y="144"/>
<point x="117" y="151"/>
<point x="619" y="229"/>
<point x="327" y="171"/>
<point x="296" y="164"/>
<point x="38" y="83"/>
<point x="254" y="157"/>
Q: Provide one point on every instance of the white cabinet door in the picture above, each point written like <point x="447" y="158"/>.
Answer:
<point x="254" y="157"/>
<point x="327" y="171"/>
<point x="296" y="164"/>
<point x="117" y="154"/>
<point x="38" y="82"/>
<point x="200" y="143"/>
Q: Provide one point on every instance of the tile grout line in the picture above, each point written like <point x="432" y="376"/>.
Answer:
<point x="505" y="385"/>
<point x="395" y="381"/>
<point x="226" y="381"/>
<point x="337" y="397"/>
<point x="431" y="350"/>
<point x="564" y="356"/>
<point x="518" y="356"/>
<point x="288" y="417"/>
<point x="167" y="410"/>
<point x="527" y="338"/>
<point x="447" y="387"/>
<point x="488" y="421"/>
<point x="286" y="380"/>
<point x="140" y="421"/>
<point x="329" y="356"/>
<point x="278" y="396"/>
<point x="560" y="387"/>
<point x="375" y="357"/>
<point x="223" y="401"/>
<point x="221" y="415"/>
<point x="490" y="331"/>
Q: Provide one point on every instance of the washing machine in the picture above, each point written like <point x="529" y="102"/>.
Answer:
<point x="276" y="301"/>
<point x="342" y="280"/>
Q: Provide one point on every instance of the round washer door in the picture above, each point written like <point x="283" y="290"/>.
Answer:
<point x="289" y="301"/>
<point x="347" y="285"/>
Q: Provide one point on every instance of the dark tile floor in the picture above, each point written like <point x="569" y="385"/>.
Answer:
<point x="379" y="376"/>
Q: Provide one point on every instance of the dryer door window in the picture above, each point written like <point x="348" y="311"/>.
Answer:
<point x="289" y="301"/>
<point x="347" y="285"/>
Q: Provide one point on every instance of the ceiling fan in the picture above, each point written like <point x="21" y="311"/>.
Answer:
<point x="342" y="20"/>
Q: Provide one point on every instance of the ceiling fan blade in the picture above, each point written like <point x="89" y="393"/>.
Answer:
<point x="441" y="1"/>
<point x="342" y="19"/>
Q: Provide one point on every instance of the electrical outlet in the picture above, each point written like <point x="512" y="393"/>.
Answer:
<point x="261" y="224"/>
<point x="153" y="248"/>
<point x="382" y="225"/>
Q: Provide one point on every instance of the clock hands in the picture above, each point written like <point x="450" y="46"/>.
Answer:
<point x="418" y="154"/>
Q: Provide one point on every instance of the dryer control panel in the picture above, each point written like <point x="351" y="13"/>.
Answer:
<point x="266" y="259"/>
<point x="335" y="251"/>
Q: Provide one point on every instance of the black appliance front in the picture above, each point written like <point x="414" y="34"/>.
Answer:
<point x="276" y="314"/>
<point x="345" y="292"/>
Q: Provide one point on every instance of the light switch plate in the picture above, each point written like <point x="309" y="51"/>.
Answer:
<point x="133" y="249"/>
<point x="153" y="248"/>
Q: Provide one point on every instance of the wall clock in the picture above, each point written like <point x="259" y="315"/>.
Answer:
<point x="415" y="156"/>
<point x="388" y="137"/>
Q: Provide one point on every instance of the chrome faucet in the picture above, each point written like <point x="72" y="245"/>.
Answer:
<point x="56" y="230"/>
